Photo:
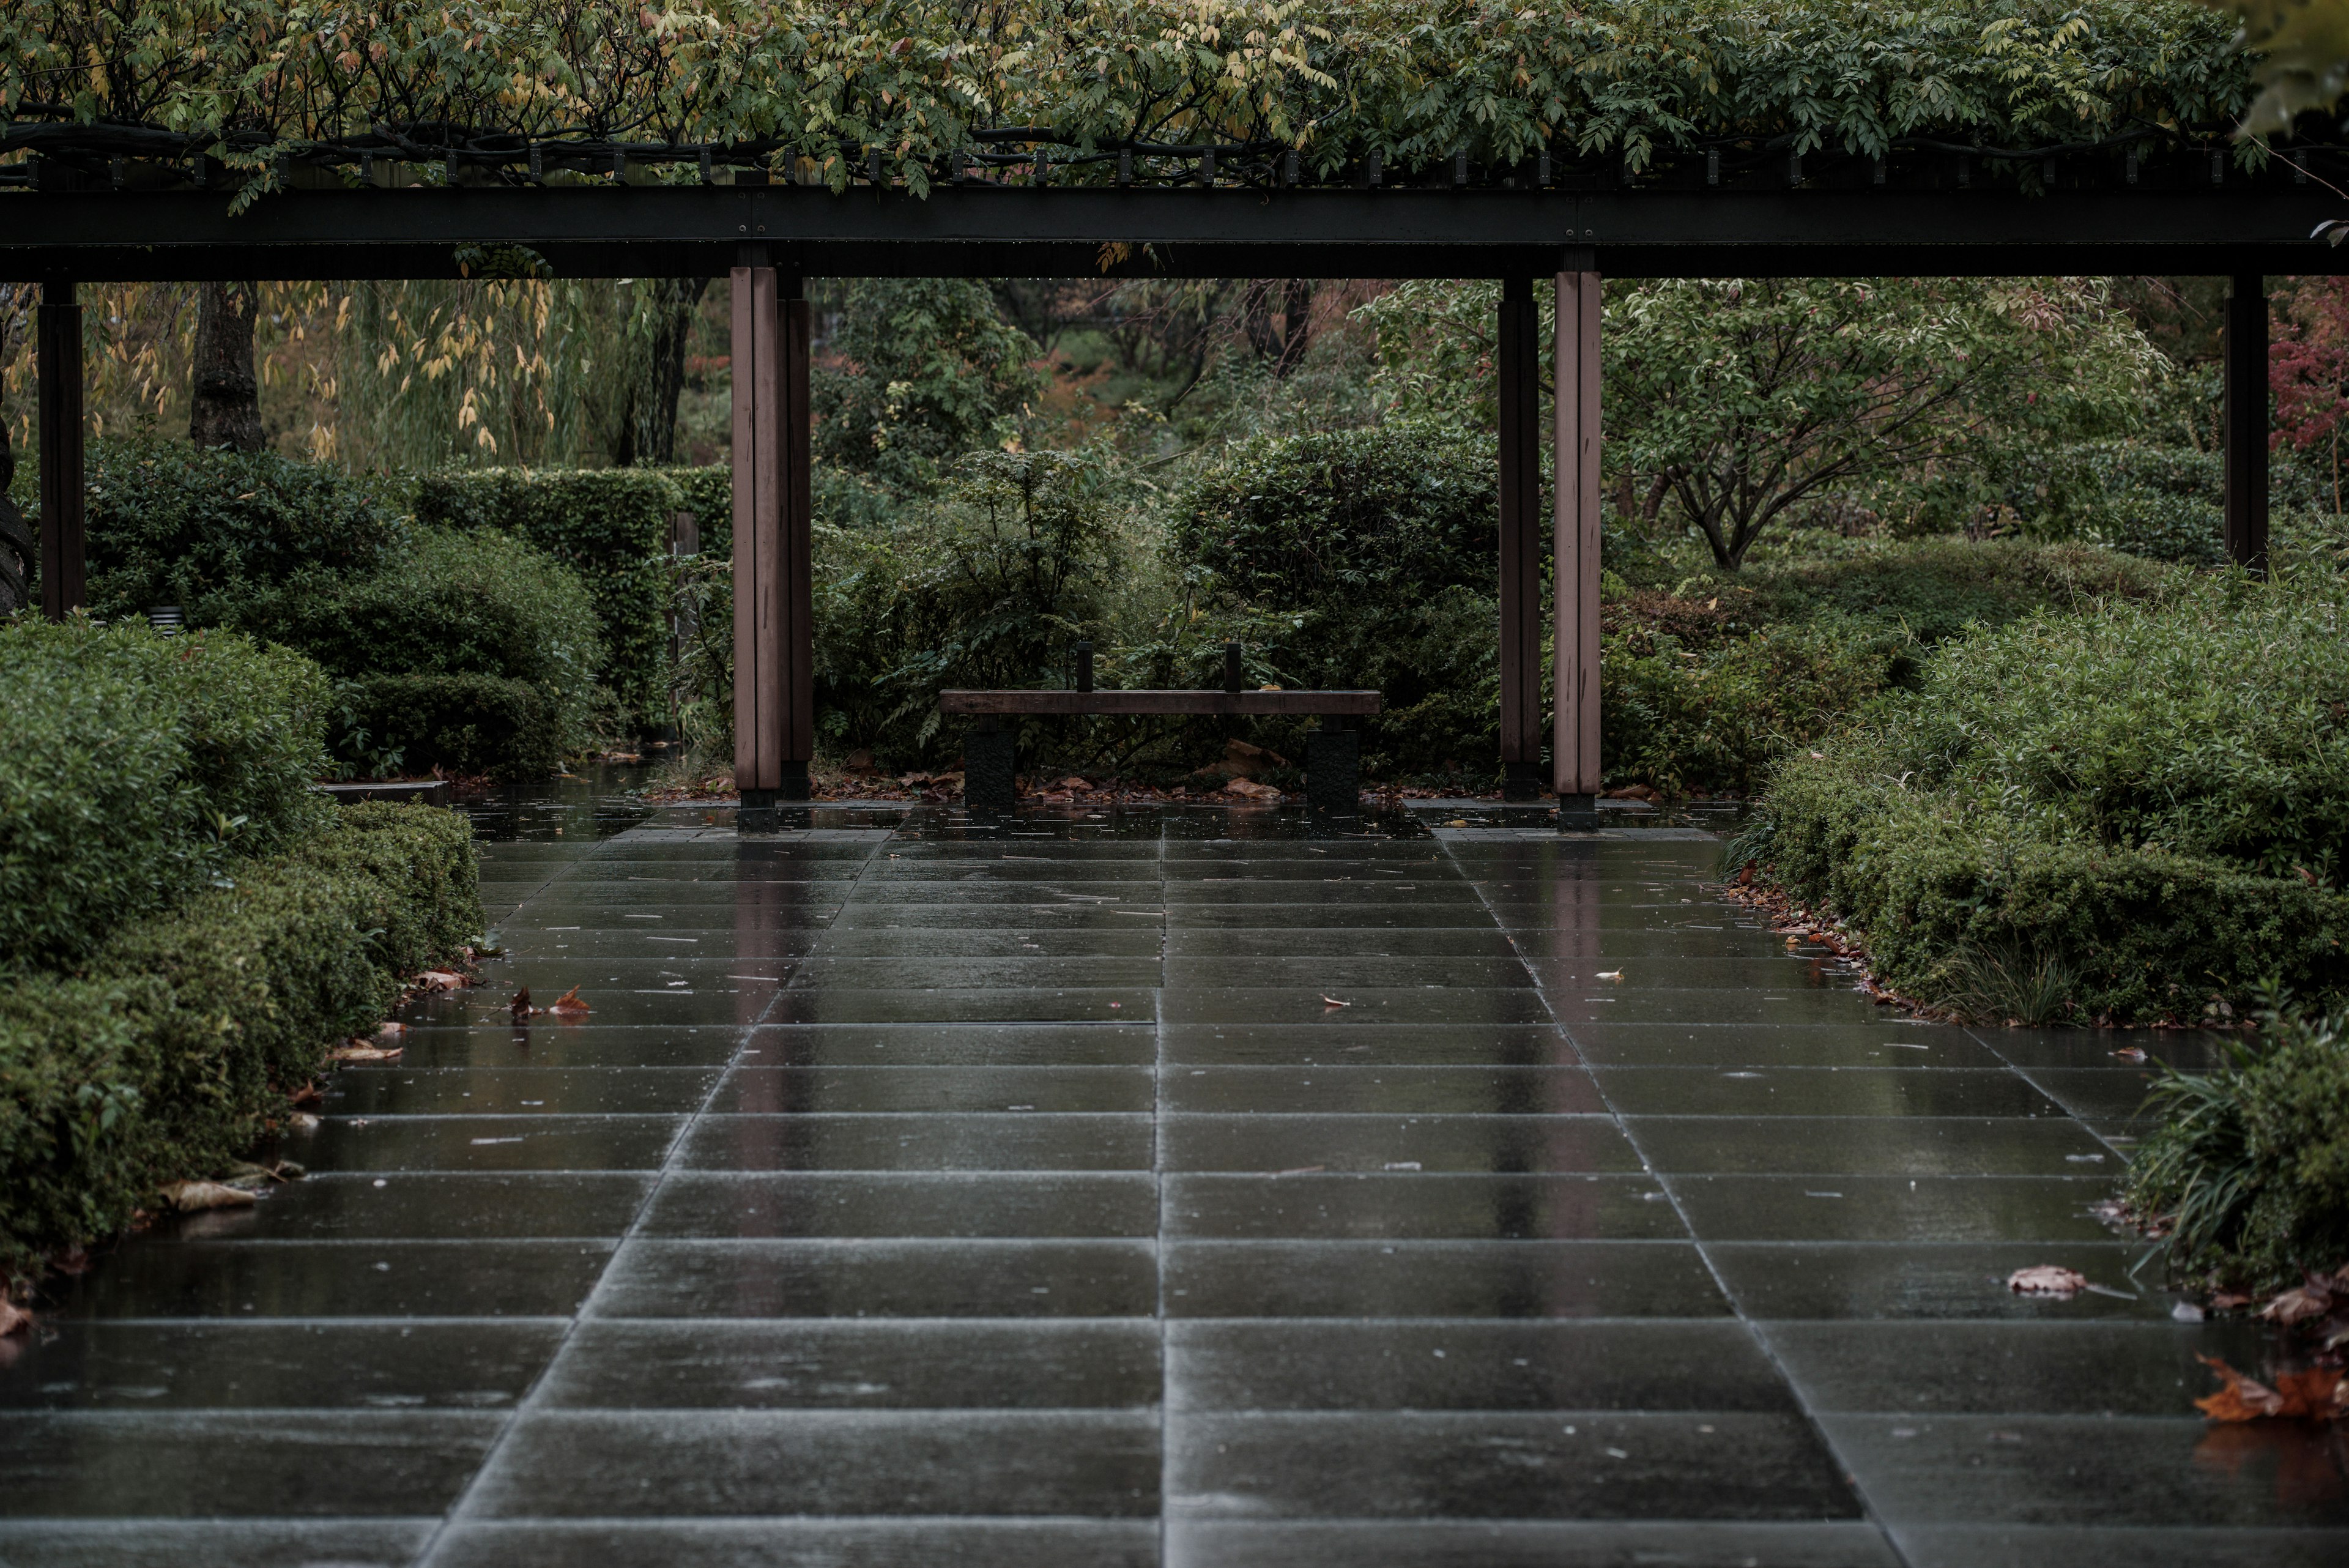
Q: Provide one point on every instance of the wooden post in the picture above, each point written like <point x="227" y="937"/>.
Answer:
<point x="2246" y="526"/>
<point x="774" y="662"/>
<point x="1575" y="526"/>
<point x="62" y="478"/>
<point x="1520" y="586"/>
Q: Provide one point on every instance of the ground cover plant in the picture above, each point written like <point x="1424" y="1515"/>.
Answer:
<point x="2246" y="1178"/>
<point x="2130" y="812"/>
<point x="188" y="926"/>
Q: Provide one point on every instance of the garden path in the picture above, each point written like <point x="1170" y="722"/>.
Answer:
<point x="1155" y="1188"/>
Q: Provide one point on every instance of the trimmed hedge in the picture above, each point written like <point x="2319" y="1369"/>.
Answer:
<point x="210" y="530"/>
<point x="2146" y="805"/>
<point x="473" y="653"/>
<point x="165" y="1055"/>
<point x="136" y="767"/>
<point x="611" y="525"/>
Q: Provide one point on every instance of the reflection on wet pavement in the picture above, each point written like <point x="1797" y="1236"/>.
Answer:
<point x="1192" y="1186"/>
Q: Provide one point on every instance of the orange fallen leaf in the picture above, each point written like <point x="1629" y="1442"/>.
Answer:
<point x="2046" y="1280"/>
<point x="568" y="1005"/>
<point x="1333" y="1002"/>
<point x="2319" y="1393"/>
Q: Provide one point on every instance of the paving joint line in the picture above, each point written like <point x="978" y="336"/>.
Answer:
<point x="1762" y="1342"/>
<point x="460" y="1511"/>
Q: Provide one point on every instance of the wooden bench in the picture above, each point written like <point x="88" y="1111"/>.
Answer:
<point x="1334" y="752"/>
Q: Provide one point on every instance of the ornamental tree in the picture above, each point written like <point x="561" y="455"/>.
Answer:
<point x="1744" y="397"/>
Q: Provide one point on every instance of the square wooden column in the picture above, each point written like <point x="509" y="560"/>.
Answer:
<point x="1518" y="364"/>
<point x="2246" y="526"/>
<point x="1574" y="520"/>
<point x="59" y="368"/>
<point x="774" y="642"/>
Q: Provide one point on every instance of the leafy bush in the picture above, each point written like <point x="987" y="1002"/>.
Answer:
<point x="135" y="766"/>
<point x="2151" y="794"/>
<point x="210" y="530"/>
<point x="471" y="651"/>
<point x="920" y="371"/>
<point x="163" y="1057"/>
<point x="2250" y="1163"/>
<point x="609" y="525"/>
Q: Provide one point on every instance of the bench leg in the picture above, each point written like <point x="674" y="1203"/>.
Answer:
<point x="1333" y="770"/>
<point x="990" y="780"/>
<point x="1577" y="814"/>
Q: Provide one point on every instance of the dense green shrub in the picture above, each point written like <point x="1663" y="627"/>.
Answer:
<point x="135" y="766"/>
<point x="2150" y="799"/>
<point x="2250" y="1163"/>
<point x="610" y="526"/>
<point x="471" y="651"/>
<point x="162" y="1056"/>
<point x="920" y="371"/>
<point x="212" y="530"/>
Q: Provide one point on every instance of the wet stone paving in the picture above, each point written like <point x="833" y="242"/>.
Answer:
<point x="1186" y="1187"/>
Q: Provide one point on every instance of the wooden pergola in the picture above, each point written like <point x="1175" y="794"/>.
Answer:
<point x="769" y="237"/>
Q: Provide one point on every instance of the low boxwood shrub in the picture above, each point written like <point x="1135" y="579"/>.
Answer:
<point x="609" y="525"/>
<point x="2133" y="813"/>
<point x="2249" y="1164"/>
<point x="473" y="653"/>
<point x="210" y="530"/>
<point x="164" y="1051"/>
<point x="136" y="767"/>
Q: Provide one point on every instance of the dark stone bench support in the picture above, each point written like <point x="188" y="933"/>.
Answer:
<point x="990" y="780"/>
<point x="1334" y="768"/>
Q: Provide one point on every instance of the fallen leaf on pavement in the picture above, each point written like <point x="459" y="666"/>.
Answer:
<point x="302" y="1121"/>
<point x="307" y="1095"/>
<point x="2130" y="1053"/>
<point x="2302" y="1302"/>
<point x="1072" y="782"/>
<point x="442" y="980"/>
<point x="1611" y="974"/>
<point x="2046" y="1280"/>
<point x="1252" y="790"/>
<point x="568" y="1003"/>
<point x="190" y="1197"/>
<point x="520" y="1006"/>
<point x="390" y="1031"/>
<point x="2320" y="1393"/>
<point x="1333" y="1002"/>
<point x="355" y="1052"/>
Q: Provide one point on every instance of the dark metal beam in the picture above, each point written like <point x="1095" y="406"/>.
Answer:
<point x="59" y="364"/>
<point x="2246" y="393"/>
<point x="992" y="231"/>
<point x="1518" y="372"/>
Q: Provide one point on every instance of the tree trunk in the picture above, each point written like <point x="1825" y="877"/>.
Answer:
<point x="679" y="299"/>
<point x="1297" y="323"/>
<point x="224" y="405"/>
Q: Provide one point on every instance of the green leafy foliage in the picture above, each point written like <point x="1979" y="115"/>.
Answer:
<point x="2249" y="1163"/>
<point x="474" y="652"/>
<point x="136" y="769"/>
<point x="915" y="81"/>
<point x="215" y="531"/>
<point x="2150" y="793"/>
<point x="161" y="1057"/>
<point x="1748" y="397"/>
<point x="921" y="371"/>
<point x="611" y="526"/>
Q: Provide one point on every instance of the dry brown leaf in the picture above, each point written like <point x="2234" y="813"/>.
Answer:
<point x="2320" y="1393"/>
<point x="1252" y="790"/>
<point x="2301" y="1302"/>
<point x="191" y="1197"/>
<point x="2232" y="1301"/>
<point x="1072" y="782"/>
<point x="355" y="1052"/>
<point x="390" y="1031"/>
<point x="302" y="1121"/>
<point x="307" y="1095"/>
<point x="2046" y="1280"/>
<point x="568" y="1005"/>
<point x="520" y="1006"/>
<point x="1610" y="974"/>
<point x="1333" y="1002"/>
<point x="443" y="980"/>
